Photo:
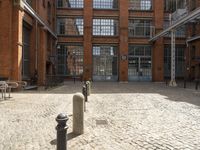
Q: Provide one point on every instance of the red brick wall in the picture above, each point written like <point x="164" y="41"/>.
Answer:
<point x="11" y="30"/>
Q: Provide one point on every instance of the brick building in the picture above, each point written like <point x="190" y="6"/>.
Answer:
<point x="27" y="39"/>
<point x="112" y="39"/>
<point x="102" y="40"/>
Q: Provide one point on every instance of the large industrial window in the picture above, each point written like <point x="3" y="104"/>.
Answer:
<point x="180" y="31"/>
<point x="70" y="3"/>
<point x="105" y="62"/>
<point x="69" y="59"/>
<point x="173" y="5"/>
<point x="70" y="26"/>
<point x="143" y="5"/>
<point x="105" y="4"/>
<point x="140" y="28"/>
<point x="179" y="60"/>
<point x="105" y="27"/>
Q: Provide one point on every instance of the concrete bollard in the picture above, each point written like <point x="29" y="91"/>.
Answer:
<point x="88" y="84"/>
<point x="62" y="131"/>
<point x="78" y="113"/>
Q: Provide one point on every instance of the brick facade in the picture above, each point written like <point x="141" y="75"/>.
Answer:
<point x="11" y="40"/>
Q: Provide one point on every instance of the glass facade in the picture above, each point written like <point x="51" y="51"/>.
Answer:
<point x="69" y="59"/>
<point x="139" y="63"/>
<point x="180" y="31"/>
<point x="70" y="3"/>
<point x="173" y="5"/>
<point x="70" y="26"/>
<point x="140" y="28"/>
<point x="179" y="61"/>
<point x="143" y="5"/>
<point x="105" y="4"/>
<point x="105" y="27"/>
<point x="105" y="62"/>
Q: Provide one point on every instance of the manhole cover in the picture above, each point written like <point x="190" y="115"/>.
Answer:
<point x="101" y="122"/>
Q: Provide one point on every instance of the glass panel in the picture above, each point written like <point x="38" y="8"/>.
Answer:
<point x="70" y="26"/>
<point x="70" y="60"/>
<point x="105" y="27"/>
<point x="140" y="28"/>
<point x="179" y="64"/>
<point x="70" y="3"/>
<point x="105" y="62"/>
<point x="105" y="4"/>
<point x="143" y="5"/>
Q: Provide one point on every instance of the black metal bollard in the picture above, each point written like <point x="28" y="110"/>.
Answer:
<point x="184" y="84"/>
<point x="84" y="91"/>
<point x="62" y="131"/>
<point x="197" y="85"/>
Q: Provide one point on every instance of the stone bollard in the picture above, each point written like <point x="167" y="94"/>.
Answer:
<point x="84" y="92"/>
<point x="78" y="113"/>
<point x="62" y="131"/>
<point x="88" y="84"/>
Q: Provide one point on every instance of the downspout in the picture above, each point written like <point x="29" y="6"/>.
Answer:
<point x="36" y="38"/>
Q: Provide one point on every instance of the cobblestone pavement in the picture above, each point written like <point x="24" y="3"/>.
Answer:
<point x="119" y="116"/>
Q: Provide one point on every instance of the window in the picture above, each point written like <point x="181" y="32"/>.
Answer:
<point x="140" y="28"/>
<point x="105" y="27"/>
<point x="173" y="5"/>
<point x="70" y="26"/>
<point x="70" y="3"/>
<point x="139" y="50"/>
<point x="143" y="5"/>
<point x="70" y="59"/>
<point x="105" y="4"/>
<point x="180" y="31"/>
<point x="180" y="63"/>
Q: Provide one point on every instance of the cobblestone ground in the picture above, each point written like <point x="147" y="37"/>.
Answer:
<point x="133" y="116"/>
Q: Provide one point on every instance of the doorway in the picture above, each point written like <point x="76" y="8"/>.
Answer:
<point x="105" y="63"/>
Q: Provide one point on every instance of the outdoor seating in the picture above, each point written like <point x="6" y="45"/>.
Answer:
<point x="11" y="85"/>
<point x="3" y="88"/>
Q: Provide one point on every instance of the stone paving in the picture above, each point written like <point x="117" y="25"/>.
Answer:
<point x="119" y="116"/>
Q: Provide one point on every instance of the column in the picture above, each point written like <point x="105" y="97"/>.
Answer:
<point x="123" y="40"/>
<point x="88" y="13"/>
<point x="158" y="47"/>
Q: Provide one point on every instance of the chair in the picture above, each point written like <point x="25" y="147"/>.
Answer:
<point x="3" y="88"/>
<point x="11" y="85"/>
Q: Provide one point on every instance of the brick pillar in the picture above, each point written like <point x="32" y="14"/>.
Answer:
<point x="17" y="30"/>
<point x="42" y="57"/>
<point x="5" y="38"/>
<point x="88" y="13"/>
<point x="158" y="47"/>
<point x="123" y="43"/>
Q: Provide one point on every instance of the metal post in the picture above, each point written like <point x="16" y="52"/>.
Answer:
<point x="74" y="65"/>
<point x="197" y="85"/>
<point x="62" y="131"/>
<point x="84" y="91"/>
<point x="173" y="59"/>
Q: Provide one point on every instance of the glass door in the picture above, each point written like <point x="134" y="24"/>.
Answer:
<point x="105" y="63"/>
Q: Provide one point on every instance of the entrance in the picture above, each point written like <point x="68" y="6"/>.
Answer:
<point x="139" y="64"/>
<point x="105" y="63"/>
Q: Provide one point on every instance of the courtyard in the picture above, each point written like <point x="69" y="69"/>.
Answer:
<point x="119" y="116"/>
